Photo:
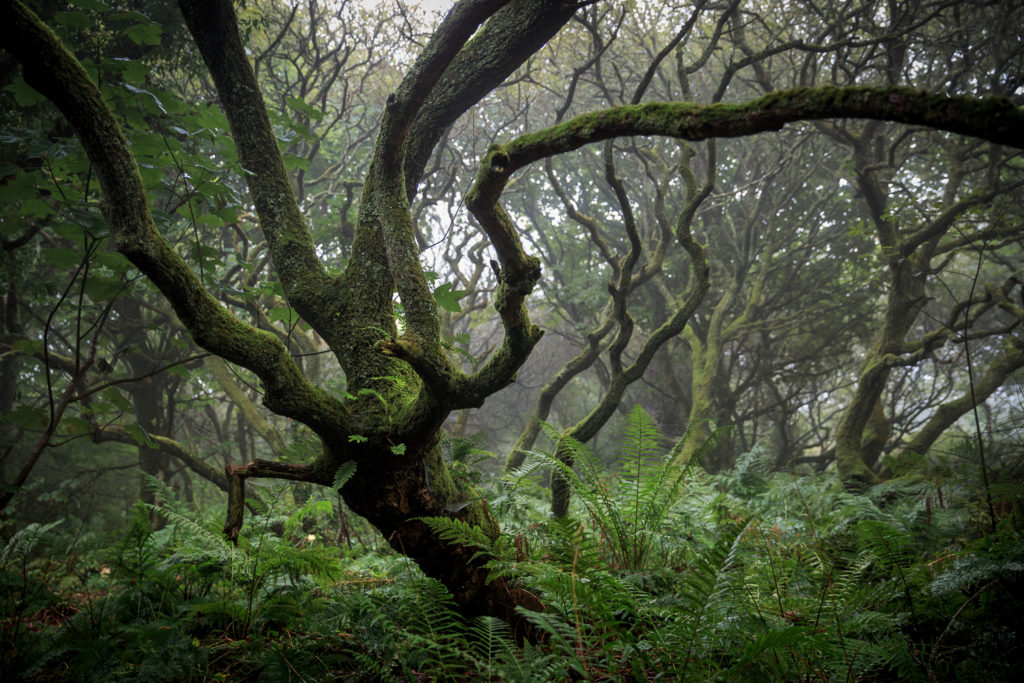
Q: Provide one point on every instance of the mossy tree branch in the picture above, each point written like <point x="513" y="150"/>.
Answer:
<point x="991" y="118"/>
<point x="214" y="27"/>
<point x="390" y="205"/>
<point x="513" y="34"/>
<point x="1008" y="362"/>
<point x="994" y="119"/>
<point x="169" y="447"/>
<point x="51" y="69"/>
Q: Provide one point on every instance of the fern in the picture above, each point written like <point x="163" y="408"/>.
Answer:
<point x="706" y="589"/>
<point x="629" y="508"/>
<point x="21" y="544"/>
<point x="343" y="474"/>
<point x="457" y="532"/>
<point x="561" y="638"/>
<point x="193" y="532"/>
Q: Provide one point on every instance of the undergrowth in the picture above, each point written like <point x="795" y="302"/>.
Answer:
<point x="661" y="572"/>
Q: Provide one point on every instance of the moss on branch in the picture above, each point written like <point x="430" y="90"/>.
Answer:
<point x="991" y="118"/>
<point x="307" y="285"/>
<point x="52" y="70"/>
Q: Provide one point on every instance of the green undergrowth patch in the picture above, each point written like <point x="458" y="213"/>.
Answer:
<point x="659" y="573"/>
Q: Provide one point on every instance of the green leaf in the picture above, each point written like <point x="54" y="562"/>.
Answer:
<point x="299" y="105"/>
<point x="73" y="19"/>
<point x="179" y="370"/>
<point x="140" y="435"/>
<point x="210" y="219"/>
<point x="102" y="288"/>
<point x="62" y="257"/>
<point x="35" y="207"/>
<point x="28" y="346"/>
<point x="448" y="299"/>
<point x="293" y="161"/>
<point x="28" y="417"/>
<point x="117" y="399"/>
<point x="399" y="449"/>
<point x="151" y="176"/>
<point x="149" y="144"/>
<point x="76" y="425"/>
<point x="133" y="71"/>
<point x="24" y="94"/>
<point x="114" y="260"/>
<point x="94" y="5"/>
<point x="228" y="214"/>
<point x="142" y="91"/>
<point x="282" y="313"/>
<point x="357" y="438"/>
<point x="144" y="34"/>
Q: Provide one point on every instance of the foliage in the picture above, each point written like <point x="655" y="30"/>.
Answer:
<point x="840" y="322"/>
<point x="630" y="506"/>
<point x="746" y="575"/>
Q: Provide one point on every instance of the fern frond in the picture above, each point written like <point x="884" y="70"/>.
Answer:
<point x="561" y="637"/>
<point x="458" y="532"/>
<point x="344" y="472"/>
<point x="162" y="492"/>
<point x="195" y="532"/>
<point x="491" y="642"/>
<point x="641" y="438"/>
<point x="20" y="546"/>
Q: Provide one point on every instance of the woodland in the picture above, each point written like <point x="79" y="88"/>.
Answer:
<point x="521" y="340"/>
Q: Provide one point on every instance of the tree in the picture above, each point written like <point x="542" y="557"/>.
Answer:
<point x="401" y="384"/>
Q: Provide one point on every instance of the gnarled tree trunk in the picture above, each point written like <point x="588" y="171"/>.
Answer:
<point x="402" y="385"/>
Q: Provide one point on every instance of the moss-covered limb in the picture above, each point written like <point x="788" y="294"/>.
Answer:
<point x="960" y="318"/>
<point x="615" y="312"/>
<point x="264" y="469"/>
<point x="388" y="191"/>
<point x="168" y="447"/>
<point x="510" y="37"/>
<point x="381" y="368"/>
<point x="482" y="200"/>
<point x="908" y="259"/>
<point x="623" y="274"/>
<point x="587" y="428"/>
<point x="850" y="432"/>
<point x="457" y="27"/>
<point x="220" y="371"/>
<point x="517" y="276"/>
<point x="1010" y="361"/>
<point x="588" y="223"/>
<point x="997" y="233"/>
<point x="665" y="233"/>
<point x="52" y="70"/>
<point x="622" y="378"/>
<point x="1001" y="295"/>
<point x="944" y="221"/>
<point x="578" y="364"/>
<point x="876" y="434"/>
<point x="368" y="286"/>
<point x="870" y="186"/>
<point x="422" y="323"/>
<point x="990" y="118"/>
<point x="214" y="27"/>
